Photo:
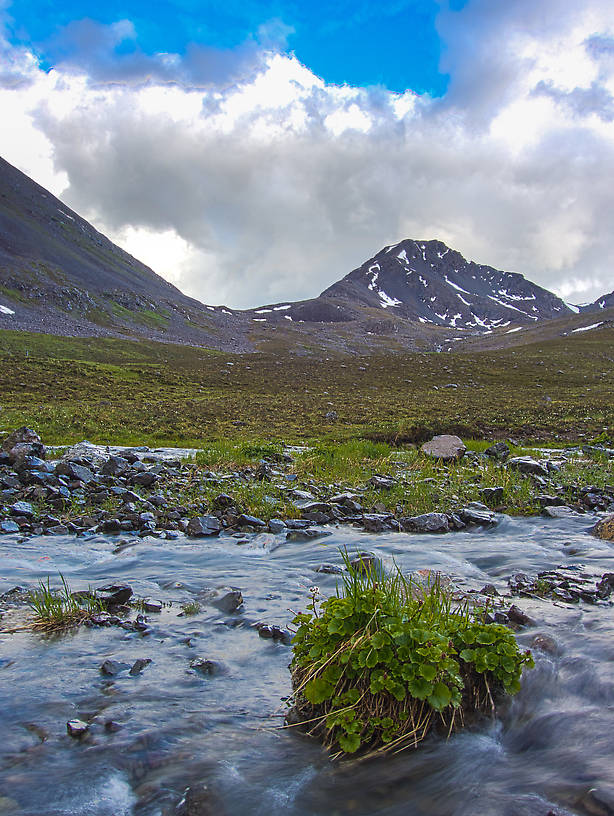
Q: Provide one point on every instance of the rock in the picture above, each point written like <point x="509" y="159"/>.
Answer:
<point x="306" y="535"/>
<point x="471" y="515"/>
<point x="525" y="464"/>
<point x="8" y="526"/>
<point x="145" y="479"/>
<point x="604" y="528"/>
<point x="76" y="472"/>
<point x="114" y="594"/>
<point x="22" y="443"/>
<point x="330" y="569"/>
<point x="445" y="447"/>
<point x="276" y="525"/>
<point x="492" y="494"/>
<point x="113" y="667"/>
<point x="245" y="520"/>
<point x="23" y="509"/>
<point x="376" y="522"/>
<point x="273" y="632"/>
<point x="560" y="511"/>
<point x="490" y="590"/>
<point x="331" y="416"/>
<point x="228" y="600"/>
<point x="86" y="451"/>
<point x="206" y="667"/>
<point x="381" y="482"/>
<point x="518" y="617"/>
<point x="366" y="562"/>
<point x="199" y="801"/>
<point x="605" y="586"/>
<point x="223" y="501"/>
<point x="498" y="451"/>
<point x="114" y="466"/>
<point x="201" y="526"/>
<point x="546" y="644"/>
<point x="149" y="605"/>
<point x="426" y="523"/>
<point x="139" y="664"/>
<point x="77" y="728"/>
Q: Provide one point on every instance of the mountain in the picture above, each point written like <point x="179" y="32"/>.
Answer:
<point x="604" y="302"/>
<point x="59" y="275"/>
<point x="429" y="283"/>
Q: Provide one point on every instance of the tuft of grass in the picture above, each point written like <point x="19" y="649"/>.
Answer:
<point x="190" y="608"/>
<point x="59" y="609"/>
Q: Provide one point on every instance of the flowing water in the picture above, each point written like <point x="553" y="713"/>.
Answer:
<point x="551" y="750"/>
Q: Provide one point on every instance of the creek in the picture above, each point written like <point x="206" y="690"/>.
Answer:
<point x="549" y="751"/>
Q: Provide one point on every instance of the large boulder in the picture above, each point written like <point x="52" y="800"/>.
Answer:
<point x="21" y="444"/>
<point x="604" y="528"/>
<point x="445" y="447"/>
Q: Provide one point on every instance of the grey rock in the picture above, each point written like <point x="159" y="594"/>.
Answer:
<point x="525" y="464"/>
<point x="498" y="451"/>
<point x="484" y="518"/>
<point x="77" y="728"/>
<point x="274" y="632"/>
<point x="113" y="667"/>
<point x="206" y="667"/>
<point x="145" y="479"/>
<point x="9" y="526"/>
<point x="246" y="520"/>
<point x="560" y="511"/>
<point x="228" y="600"/>
<point x="22" y="443"/>
<point x="150" y="605"/>
<point x="114" y="594"/>
<point x="492" y="494"/>
<point x="114" y="466"/>
<point x="276" y="525"/>
<point x="74" y="471"/>
<point x="330" y="569"/>
<point x="306" y="535"/>
<point x="139" y="664"/>
<point x="201" y="526"/>
<point x="22" y="508"/>
<point x="426" y="523"/>
<point x="445" y="447"/>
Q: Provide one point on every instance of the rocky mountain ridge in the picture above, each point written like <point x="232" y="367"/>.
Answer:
<point x="59" y="275"/>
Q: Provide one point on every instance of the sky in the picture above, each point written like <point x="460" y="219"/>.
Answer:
<point x="255" y="152"/>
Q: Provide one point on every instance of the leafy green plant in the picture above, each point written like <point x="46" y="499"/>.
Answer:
<point x="386" y="660"/>
<point x="59" y="609"/>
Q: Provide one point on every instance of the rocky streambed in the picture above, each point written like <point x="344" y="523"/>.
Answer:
<point x="172" y="700"/>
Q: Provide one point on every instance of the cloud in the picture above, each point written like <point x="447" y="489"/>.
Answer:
<point x="245" y="179"/>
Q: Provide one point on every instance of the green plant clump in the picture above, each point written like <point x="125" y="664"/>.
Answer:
<point x="385" y="661"/>
<point x="60" y="609"/>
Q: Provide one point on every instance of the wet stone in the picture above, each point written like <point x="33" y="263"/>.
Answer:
<point x="306" y="535"/>
<point x="228" y="601"/>
<point x="112" y="667"/>
<point x="273" y="632"/>
<point x="114" y="594"/>
<point x="77" y="728"/>
<point x="138" y="665"/>
<point x="206" y="667"/>
<point x="150" y="605"/>
<point x="8" y="526"/>
<point x="330" y="569"/>
<point x="276" y="526"/>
